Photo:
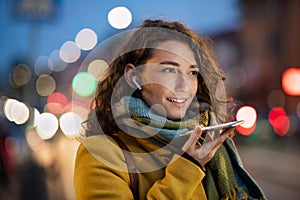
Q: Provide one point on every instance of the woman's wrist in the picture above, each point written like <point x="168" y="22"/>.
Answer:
<point x="191" y="159"/>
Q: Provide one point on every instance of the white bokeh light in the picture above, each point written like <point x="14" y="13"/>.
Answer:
<point x="55" y="63"/>
<point x="16" y="111"/>
<point x="70" y="124"/>
<point x="8" y="104"/>
<point x="248" y="114"/>
<point x="69" y="52"/>
<point x="20" y="113"/>
<point x="46" y="125"/>
<point x="86" y="39"/>
<point x="36" y="115"/>
<point x="119" y="17"/>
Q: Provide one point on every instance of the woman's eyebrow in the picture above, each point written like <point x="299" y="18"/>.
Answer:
<point x="169" y="63"/>
<point x="175" y="64"/>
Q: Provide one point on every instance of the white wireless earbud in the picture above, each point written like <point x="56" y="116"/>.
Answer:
<point x="136" y="83"/>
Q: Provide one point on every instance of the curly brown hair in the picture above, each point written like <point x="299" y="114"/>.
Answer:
<point x="136" y="50"/>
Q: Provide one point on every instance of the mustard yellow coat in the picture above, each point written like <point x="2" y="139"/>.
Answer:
<point x="101" y="172"/>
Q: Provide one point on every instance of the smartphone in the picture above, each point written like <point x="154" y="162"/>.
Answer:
<point x="217" y="127"/>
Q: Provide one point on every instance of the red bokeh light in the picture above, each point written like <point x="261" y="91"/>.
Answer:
<point x="56" y="102"/>
<point x="246" y="131"/>
<point x="275" y="113"/>
<point x="281" y="125"/>
<point x="279" y="120"/>
<point x="57" y="97"/>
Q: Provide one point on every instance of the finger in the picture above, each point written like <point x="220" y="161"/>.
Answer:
<point x="226" y="133"/>
<point x="197" y="132"/>
<point x="228" y="130"/>
<point x="212" y="144"/>
<point x="208" y="137"/>
<point x="194" y="137"/>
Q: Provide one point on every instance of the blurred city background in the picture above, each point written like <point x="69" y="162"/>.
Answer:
<point x="46" y="85"/>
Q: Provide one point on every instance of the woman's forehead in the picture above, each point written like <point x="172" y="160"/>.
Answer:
<point x="175" y="48"/>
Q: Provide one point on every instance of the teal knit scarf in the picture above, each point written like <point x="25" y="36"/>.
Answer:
<point x="134" y="114"/>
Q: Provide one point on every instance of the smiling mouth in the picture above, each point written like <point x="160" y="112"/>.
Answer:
<point x="173" y="100"/>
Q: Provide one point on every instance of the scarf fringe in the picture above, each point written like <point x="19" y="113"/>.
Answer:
<point x="234" y="194"/>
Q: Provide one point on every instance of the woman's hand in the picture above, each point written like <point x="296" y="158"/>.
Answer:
<point x="203" y="153"/>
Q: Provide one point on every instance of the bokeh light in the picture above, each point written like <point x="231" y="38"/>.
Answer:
<point x="45" y="85"/>
<point x="57" y="97"/>
<point x="249" y="115"/>
<point x="46" y="125"/>
<point x="16" y="111"/>
<point x="56" y="102"/>
<point x="279" y="120"/>
<point x="34" y="141"/>
<point x="55" y="108"/>
<point x="246" y="131"/>
<point x="21" y="75"/>
<point x="7" y="107"/>
<point x="291" y="81"/>
<point x="119" y="17"/>
<point x="69" y="52"/>
<point x="281" y="125"/>
<point x="41" y="66"/>
<point x="86" y="39"/>
<point x="97" y="67"/>
<point x="55" y="63"/>
<point x="84" y="84"/>
<point x="275" y="113"/>
<point x="77" y="108"/>
<point x="70" y="124"/>
<point x="20" y="113"/>
<point x="36" y="115"/>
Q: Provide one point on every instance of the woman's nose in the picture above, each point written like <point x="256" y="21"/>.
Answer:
<point x="181" y="83"/>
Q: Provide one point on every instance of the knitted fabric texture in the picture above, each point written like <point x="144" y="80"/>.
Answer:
<point x="219" y="182"/>
<point x="135" y="113"/>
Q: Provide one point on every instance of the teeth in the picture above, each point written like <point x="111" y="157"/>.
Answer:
<point x="177" y="100"/>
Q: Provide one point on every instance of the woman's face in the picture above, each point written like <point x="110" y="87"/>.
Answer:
<point x="169" y="79"/>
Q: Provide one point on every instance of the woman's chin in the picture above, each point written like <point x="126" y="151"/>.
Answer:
<point x="176" y="117"/>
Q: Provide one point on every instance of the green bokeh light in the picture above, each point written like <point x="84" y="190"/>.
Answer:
<point x="84" y="84"/>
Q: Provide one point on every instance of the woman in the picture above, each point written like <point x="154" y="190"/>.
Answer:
<point x="164" y="82"/>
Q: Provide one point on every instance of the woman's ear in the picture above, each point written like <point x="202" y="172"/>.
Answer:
<point x="130" y="76"/>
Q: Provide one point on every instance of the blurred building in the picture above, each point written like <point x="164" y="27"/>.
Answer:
<point x="255" y="56"/>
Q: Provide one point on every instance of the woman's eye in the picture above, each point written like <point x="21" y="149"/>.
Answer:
<point x="169" y="70"/>
<point x="194" y="73"/>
